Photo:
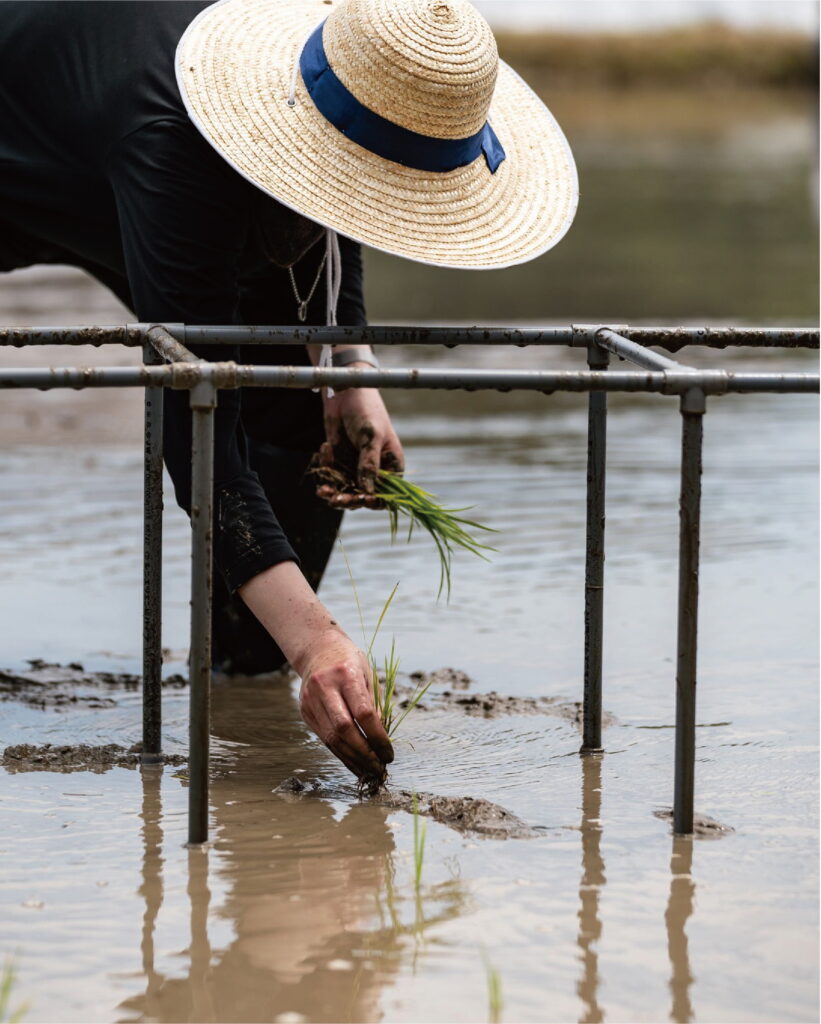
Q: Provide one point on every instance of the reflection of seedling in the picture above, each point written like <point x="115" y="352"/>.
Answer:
<point x="6" y="983"/>
<point x="419" y="832"/>
<point x="494" y="990"/>
<point x="401" y="497"/>
<point x="384" y="689"/>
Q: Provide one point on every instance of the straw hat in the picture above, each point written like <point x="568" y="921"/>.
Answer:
<point x="391" y="121"/>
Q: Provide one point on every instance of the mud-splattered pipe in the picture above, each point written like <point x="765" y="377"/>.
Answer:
<point x="152" y="569"/>
<point x="597" y="359"/>
<point x="693" y="407"/>
<point x="203" y="403"/>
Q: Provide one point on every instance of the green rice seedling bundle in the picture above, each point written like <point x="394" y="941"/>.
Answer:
<point x="448" y="529"/>
<point x="402" y="498"/>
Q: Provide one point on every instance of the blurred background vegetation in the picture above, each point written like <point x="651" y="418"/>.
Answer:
<point x="696" y="147"/>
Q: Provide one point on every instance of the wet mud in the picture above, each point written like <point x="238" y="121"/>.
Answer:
<point x="50" y="685"/>
<point x="467" y="814"/>
<point x="76" y="757"/>
<point x="703" y="826"/>
<point x="455" y="697"/>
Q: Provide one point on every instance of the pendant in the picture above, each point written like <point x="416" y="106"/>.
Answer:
<point x="302" y="312"/>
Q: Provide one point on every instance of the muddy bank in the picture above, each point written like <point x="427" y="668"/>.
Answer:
<point x="49" y="685"/>
<point x="455" y="697"/>
<point x="52" y="685"/>
<point x="465" y="814"/>
<point x="79" y="757"/>
<point x="703" y="827"/>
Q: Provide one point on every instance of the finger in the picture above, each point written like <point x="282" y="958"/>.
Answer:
<point x="359" y="699"/>
<point x="349" y="738"/>
<point x="323" y="726"/>
<point x="326" y="454"/>
<point x="393" y="458"/>
<point x="368" y="467"/>
<point x="350" y="501"/>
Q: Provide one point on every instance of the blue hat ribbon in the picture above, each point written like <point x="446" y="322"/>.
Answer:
<point x="380" y="136"/>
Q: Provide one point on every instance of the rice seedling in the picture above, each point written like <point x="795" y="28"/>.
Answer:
<point x="494" y="990"/>
<point x="447" y="529"/>
<point x="7" y="977"/>
<point x="392" y="712"/>
<point x="401" y="497"/>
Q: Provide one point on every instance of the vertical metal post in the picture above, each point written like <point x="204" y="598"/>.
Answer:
<point x="152" y="569"/>
<point x="693" y="406"/>
<point x="597" y="359"/>
<point x="203" y="403"/>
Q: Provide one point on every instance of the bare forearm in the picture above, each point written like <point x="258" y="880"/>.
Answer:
<point x="336" y="696"/>
<point x="291" y="612"/>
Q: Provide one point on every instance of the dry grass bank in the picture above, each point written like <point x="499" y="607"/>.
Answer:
<point x="710" y="54"/>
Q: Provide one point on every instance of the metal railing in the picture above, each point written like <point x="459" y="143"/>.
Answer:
<point x="167" y="362"/>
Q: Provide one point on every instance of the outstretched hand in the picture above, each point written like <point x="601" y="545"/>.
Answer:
<point x="336" y="702"/>
<point x="360" y="441"/>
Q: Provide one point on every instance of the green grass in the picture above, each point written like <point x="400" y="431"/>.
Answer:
<point x="448" y="530"/>
<point x="7" y="977"/>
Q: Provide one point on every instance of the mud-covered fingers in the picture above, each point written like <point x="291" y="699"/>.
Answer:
<point x="326" y="454"/>
<point x="320" y="723"/>
<point x="392" y="457"/>
<point x="342" y="736"/>
<point x="368" y="464"/>
<point x="359" y="699"/>
<point x="345" y="500"/>
<point x="347" y="741"/>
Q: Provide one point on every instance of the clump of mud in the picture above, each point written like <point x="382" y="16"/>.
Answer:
<point x="465" y="814"/>
<point x="48" y="685"/>
<point x="79" y="757"/>
<point x="453" y="678"/>
<point x="703" y="827"/>
<point x="491" y="705"/>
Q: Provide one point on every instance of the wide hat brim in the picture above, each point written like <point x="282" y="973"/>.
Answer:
<point x="234" y="65"/>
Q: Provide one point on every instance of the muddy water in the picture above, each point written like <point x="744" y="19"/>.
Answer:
<point x="306" y="908"/>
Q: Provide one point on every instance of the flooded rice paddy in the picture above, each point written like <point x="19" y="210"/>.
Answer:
<point x="304" y="906"/>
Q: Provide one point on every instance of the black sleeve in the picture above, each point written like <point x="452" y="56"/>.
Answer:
<point x="184" y="214"/>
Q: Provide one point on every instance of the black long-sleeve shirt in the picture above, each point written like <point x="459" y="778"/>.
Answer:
<point x="101" y="167"/>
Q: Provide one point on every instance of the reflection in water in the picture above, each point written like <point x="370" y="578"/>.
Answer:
<point x="679" y="909"/>
<point x="199" y="895"/>
<point x="319" y="923"/>
<point x="151" y="889"/>
<point x="592" y="880"/>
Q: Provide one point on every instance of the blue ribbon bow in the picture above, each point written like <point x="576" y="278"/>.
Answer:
<point x="380" y="136"/>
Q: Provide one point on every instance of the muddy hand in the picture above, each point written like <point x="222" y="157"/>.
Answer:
<point x="336" y="702"/>
<point x="360" y="441"/>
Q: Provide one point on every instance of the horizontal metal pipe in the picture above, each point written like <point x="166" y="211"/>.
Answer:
<point x="167" y="346"/>
<point x="232" y="375"/>
<point x="675" y="338"/>
<point x="448" y="336"/>
<point x="121" y="334"/>
<point x="635" y="353"/>
<point x="671" y="338"/>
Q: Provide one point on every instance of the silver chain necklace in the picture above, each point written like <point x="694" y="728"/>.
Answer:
<point x="302" y="304"/>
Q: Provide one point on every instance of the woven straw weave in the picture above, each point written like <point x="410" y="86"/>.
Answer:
<point x="428" y="65"/>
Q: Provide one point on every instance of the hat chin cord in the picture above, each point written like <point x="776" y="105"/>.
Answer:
<point x="333" y="258"/>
